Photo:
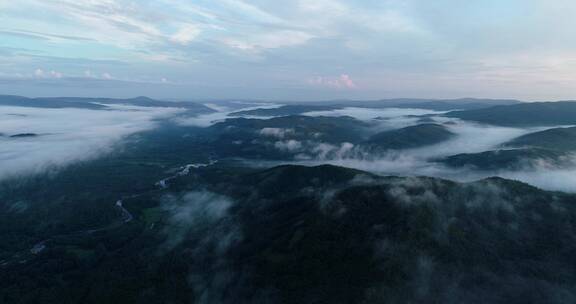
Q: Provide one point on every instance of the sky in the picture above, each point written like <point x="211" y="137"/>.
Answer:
<point x="289" y="50"/>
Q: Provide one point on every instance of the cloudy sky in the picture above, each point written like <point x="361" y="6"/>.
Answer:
<point x="296" y="49"/>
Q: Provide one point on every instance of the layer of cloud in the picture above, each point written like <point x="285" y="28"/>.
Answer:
<point x="276" y="132"/>
<point x="64" y="136"/>
<point x="470" y="138"/>
<point x="393" y="115"/>
<point x="223" y="113"/>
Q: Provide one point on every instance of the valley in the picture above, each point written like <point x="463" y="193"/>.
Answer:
<point x="318" y="205"/>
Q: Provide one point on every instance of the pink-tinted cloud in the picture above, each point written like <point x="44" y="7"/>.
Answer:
<point x="343" y="81"/>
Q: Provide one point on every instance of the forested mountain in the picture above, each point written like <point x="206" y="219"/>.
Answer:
<point x="523" y="114"/>
<point x="138" y="200"/>
<point x="326" y="234"/>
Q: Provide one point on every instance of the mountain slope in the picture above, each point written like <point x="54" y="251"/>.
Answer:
<point x="324" y="234"/>
<point x="409" y="137"/>
<point x="515" y="159"/>
<point x="361" y="238"/>
<point x="419" y="103"/>
<point x="284" y="110"/>
<point x="524" y="114"/>
<point x="96" y="103"/>
<point x="283" y="137"/>
<point x="562" y="139"/>
<point x="19" y="101"/>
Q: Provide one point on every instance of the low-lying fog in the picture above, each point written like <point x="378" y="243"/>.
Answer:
<point x="222" y="113"/>
<point x="471" y="138"/>
<point x="33" y="139"/>
<point x="67" y="135"/>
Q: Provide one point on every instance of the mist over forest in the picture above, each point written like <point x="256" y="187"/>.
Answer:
<point x="131" y="200"/>
<point x="287" y="152"/>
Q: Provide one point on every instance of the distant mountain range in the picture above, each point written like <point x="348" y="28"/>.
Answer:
<point x="96" y="103"/>
<point x="297" y="108"/>
<point x="513" y="159"/>
<point x="434" y="104"/>
<point x="285" y="110"/>
<point x="523" y="114"/>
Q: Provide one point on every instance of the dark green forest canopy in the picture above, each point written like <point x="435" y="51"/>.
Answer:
<point x="523" y="114"/>
<point x="288" y="233"/>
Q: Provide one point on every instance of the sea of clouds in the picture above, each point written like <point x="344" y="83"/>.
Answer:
<point x="470" y="138"/>
<point x="71" y="135"/>
<point x="67" y="135"/>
